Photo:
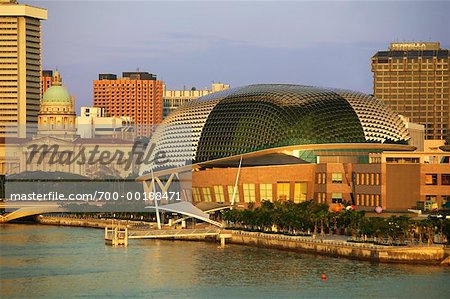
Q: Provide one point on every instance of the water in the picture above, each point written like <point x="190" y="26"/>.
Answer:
<point x="56" y="262"/>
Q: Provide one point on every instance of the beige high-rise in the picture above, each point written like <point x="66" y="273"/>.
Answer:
<point x="20" y="66"/>
<point x="414" y="80"/>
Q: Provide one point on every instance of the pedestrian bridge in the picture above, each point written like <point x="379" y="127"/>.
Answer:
<point x="21" y="210"/>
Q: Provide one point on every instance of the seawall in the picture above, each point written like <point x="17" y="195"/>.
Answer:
<point x="377" y="253"/>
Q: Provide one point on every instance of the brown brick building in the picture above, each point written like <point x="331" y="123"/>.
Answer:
<point x="413" y="79"/>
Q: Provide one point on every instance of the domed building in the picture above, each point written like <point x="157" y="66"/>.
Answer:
<point x="267" y="116"/>
<point x="276" y="142"/>
<point x="57" y="113"/>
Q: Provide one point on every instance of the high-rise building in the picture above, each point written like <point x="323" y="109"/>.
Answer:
<point x="20" y="66"/>
<point x="137" y="95"/>
<point x="414" y="80"/>
<point x="46" y="80"/>
<point x="172" y="99"/>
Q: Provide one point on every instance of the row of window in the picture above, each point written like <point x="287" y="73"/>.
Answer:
<point x="368" y="200"/>
<point x="367" y="179"/>
<point x="249" y="193"/>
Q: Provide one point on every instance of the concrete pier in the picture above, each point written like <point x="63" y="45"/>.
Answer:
<point x="116" y="236"/>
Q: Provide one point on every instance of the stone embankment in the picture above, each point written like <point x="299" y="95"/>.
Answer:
<point x="435" y="254"/>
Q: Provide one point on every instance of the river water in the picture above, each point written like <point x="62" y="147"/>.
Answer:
<point x="64" y="262"/>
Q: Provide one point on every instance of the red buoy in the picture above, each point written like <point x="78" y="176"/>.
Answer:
<point x="324" y="277"/>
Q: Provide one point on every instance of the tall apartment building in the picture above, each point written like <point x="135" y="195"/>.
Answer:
<point x="46" y="80"/>
<point x="172" y="99"/>
<point x="414" y="80"/>
<point x="137" y="95"/>
<point x="20" y="66"/>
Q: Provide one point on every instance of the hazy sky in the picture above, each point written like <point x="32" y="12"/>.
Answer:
<point x="193" y="43"/>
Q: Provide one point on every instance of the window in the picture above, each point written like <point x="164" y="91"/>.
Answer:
<point x="206" y="194"/>
<point x="321" y="178"/>
<point x="445" y="179"/>
<point x="431" y="179"/>
<point x="377" y="200"/>
<point x="377" y="179"/>
<point x="336" y="177"/>
<point x="218" y="192"/>
<point x="249" y="192"/>
<point x="321" y="197"/>
<point x="300" y="190"/>
<point x="196" y="194"/>
<point x="265" y="192"/>
<point x="230" y="194"/>
<point x="336" y="197"/>
<point x="445" y="199"/>
<point x="283" y="191"/>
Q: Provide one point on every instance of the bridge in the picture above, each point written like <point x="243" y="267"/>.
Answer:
<point x="21" y="210"/>
<point x="17" y="210"/>
<point x="118" y="236"/>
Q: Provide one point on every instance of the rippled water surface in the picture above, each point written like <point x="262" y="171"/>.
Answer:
<point x="56" y="262"/>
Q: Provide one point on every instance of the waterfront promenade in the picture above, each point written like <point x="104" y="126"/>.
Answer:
<point x="337" y="246"/>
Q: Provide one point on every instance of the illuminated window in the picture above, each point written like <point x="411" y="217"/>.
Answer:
<point x="249" y="192"/>
<point x="300" y="191"/>
<point x="283" y="190"/>
<point x="230" y="193"/>
<point x="336" y="177"/>
<point x="431" y="179"/>
<point x="218" y="192"/>
<point x="196" y="194"/>
<point x="265" y="192"/>
<point x="207" y="194"/>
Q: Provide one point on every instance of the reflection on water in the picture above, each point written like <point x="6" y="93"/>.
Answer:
<point x="55" y="262"/>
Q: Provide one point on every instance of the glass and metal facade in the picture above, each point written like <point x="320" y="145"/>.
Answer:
<point x="257" y="117"/>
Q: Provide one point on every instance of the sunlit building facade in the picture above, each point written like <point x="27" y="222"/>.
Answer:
<point x="413" y="79"/>
<point x="20" y="66"/>
<point x="172" y="99"/>
<point x="137" y="95"/>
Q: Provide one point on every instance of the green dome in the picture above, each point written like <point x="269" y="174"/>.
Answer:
<point x="57" y="94"/>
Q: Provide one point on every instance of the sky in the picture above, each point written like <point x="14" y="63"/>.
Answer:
<point x="188" y="43"/>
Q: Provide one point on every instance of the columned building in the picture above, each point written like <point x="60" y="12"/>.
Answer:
<point x="20" y="67"/>
<point x="57" y="114"/>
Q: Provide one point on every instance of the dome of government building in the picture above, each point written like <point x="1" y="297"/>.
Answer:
<point x="56" y="94"/>
<point x="256" y="117"/>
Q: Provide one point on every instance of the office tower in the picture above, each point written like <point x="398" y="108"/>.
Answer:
<point x="137" y="95"/>
<point x="413" y="79"/>
<point x="172" y="99"/>
<point x="20" y="66"/>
